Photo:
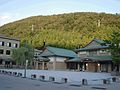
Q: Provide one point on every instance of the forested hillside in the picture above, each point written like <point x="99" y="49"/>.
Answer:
<point x="64" y="30"/>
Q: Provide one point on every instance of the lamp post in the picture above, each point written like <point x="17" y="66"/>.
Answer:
<point x="26" y="63"/>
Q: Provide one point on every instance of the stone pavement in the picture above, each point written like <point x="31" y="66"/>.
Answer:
<point x="16" y="83"/>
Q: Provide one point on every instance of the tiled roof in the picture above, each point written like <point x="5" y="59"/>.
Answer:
<point x="42" y="59"/>
<point x="99" y="41"/>
<point x="76" y="59"/>
<point x="53" y="51"/>
<point x="100" y="45"/>
<point x="92" y="48"/>
<point x="4" y="37"/>
<point x="90" y="58"/>
<point x="97" y="58"/>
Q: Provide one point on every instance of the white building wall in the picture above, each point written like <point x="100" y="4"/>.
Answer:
<point x="5" y="47"/>
<point x="58" y="59"/>
<point x="57" y="63"/>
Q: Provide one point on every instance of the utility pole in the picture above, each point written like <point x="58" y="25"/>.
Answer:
<point x="99" y="23"/>
<point x="32" y="29"/>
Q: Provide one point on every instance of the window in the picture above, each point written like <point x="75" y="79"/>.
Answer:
<point x="15" y="45"/>
<point x="103" y="51"/>
<point x="91" y="53"/>
<point x="9" y="44"/>
<point x="1" y="43"/>
<point x="7" y="52"/>
<point x="1" y="51"/>
<point x="82" y="52"/>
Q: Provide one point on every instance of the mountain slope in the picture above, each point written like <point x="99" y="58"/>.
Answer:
<point x="64" y="30"/>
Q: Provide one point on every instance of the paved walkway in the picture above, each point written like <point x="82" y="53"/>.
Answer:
<point x="16" y="83"/>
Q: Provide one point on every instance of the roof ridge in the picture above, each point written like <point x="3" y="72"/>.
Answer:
<point x="97" y="40"/>
<point x="59" y="48"/>
<point x="50" y="50"/>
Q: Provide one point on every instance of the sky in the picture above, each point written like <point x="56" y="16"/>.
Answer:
<point x="12" y="10"/>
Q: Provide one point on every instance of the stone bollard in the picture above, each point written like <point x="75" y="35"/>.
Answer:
<point x="64" y="80"/>
<point x="106" y="81"/>
<point x="33" y="76"/>
<point x="19" y="74"/>
<point x="42" y="77"/>
<point x="14" y="73"/>
<point x="51" y="79"/>
<point x="84" y="82"/>
<point x="3" y="71"/>
<point x="114" y="79"/>
<point x="9" y="73"/>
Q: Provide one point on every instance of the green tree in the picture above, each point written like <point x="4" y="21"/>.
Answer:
<point x="115" y="48"/>
<point x="22" y="54"/>
<point x="56" y="29"/>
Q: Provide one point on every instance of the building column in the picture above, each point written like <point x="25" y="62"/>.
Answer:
<point x="54" y="64"/>
<point x="87" y="66"/>
<point x="109" y="67"/>
<point x="119" y="67"/>
<point x="43" y="65"/>
<point x="36" y="65"/>
<point x="10" y="63"/>
<point x="83" y="67"/>
<point x="78" y="66"/>
<point x="3" y="63"/>
<point x="99" y="67"/>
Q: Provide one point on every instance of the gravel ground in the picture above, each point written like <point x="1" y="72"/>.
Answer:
<point x="16" y="83"/>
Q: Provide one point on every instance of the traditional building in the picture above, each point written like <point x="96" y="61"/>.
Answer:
<point x="6" y="45"/>
<point x="57" y="57"/>
<point x="93" y="57"/>
<point x="39" y="62"/>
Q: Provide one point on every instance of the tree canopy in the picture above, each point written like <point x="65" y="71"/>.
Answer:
<point x="63" y="30"/>
<point x="22" y="54"/>
<point x="115" y="46"/>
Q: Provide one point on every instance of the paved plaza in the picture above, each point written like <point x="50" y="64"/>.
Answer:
<point x="16" y="83"/>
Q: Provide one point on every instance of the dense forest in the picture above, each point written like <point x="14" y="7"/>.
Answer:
<point x="70" y="31"/>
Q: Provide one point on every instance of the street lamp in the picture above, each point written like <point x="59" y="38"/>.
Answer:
<point x="26" y="63"/>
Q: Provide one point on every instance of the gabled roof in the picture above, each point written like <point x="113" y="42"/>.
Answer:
<point x="53" y="51"/>
<point x="98" y="44"/>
